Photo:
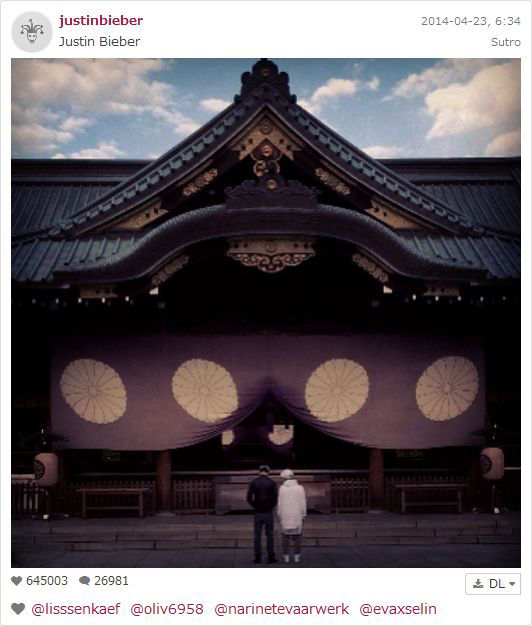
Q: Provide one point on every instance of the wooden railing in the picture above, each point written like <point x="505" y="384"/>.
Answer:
<point x="193" y="495"/>
<point x="392" y="495"/>
<point x="71" y="500"/>
<point x="194" y="492"/>
<point x="349" y="493"/>
<point x="28" y="499"/>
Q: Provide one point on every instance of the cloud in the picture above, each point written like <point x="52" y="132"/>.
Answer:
<point x="490" y="99"/>
<point x="182" y="124"/>
<point x="76" y="91"/>
<point x="335" y="88"/>
<point x="37" y="129"/>
<point x="89" y="85"/>
<point x="373" y="84"/>
<point x="506" y="144"/>
<point x="105" y="150"/>
<point x="382" y="152"/>
<point x="74" y="123"/>
<point x="308" y="106"/>
<point x="441" y="74"/>
<point x="214" y="105"/>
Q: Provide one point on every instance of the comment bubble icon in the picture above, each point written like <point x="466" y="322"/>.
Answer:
<point x="84" y="580"/>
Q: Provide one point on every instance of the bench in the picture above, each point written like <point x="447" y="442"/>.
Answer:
<point x="86" y="492"/>
<point x="412" y="488"/>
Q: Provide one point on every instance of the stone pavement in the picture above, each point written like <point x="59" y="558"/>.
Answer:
<point x="472" y="556"/>
<point x="340" y="540"/>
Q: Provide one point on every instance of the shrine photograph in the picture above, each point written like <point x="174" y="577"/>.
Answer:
<point x="266" y="313"/>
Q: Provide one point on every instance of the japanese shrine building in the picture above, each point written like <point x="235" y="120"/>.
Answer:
<point x="266" y="292"/>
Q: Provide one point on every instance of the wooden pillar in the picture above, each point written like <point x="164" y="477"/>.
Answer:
<point x="475" y="479"/>
<point x="60" y="492"/>
<point x="163" y="481"/>
<point x="376" y="479"/>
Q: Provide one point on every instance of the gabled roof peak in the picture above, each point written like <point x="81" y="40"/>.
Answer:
<point x="265" y="72"/>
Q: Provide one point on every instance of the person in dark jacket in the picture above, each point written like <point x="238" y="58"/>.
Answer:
<point x="262" y="497"/>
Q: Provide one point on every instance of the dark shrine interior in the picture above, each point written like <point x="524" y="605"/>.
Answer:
<point x="215" y="294"/>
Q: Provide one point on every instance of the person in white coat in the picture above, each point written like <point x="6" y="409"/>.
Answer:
<point x="291" y="509"/>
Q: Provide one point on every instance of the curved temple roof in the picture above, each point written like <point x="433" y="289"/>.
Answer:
<point x="422" y="256"/>
<point x="466" y="210"/>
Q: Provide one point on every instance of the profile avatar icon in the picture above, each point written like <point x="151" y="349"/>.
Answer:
<point x="32" y="30"/>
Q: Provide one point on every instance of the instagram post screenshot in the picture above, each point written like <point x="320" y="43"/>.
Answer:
<point x="265" y="312"/>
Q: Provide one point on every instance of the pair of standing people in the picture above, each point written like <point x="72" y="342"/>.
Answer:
<point x="291" y="509"/>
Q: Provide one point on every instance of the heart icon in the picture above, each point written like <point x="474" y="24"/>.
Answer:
<point x="18" y="608"/>
<point x="16" y="580"/>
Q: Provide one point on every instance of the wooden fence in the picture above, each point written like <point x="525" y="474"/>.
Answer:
<point x="349" y="493"/>
<point x="196" y="494"/>
<point x="193" y="495"/>
<point x="28" y="499"/>
<point x="72" y="500"/>
<point x="427" y="477"/>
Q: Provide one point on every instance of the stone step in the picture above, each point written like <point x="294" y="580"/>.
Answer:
<point x="199" y="532"/>
<point x="203" y="534"/>
<point x="134" y="525"/>
<point x="236" y="532"/>
<point x="228" y="539"/>
<point x="247" y="543"/>
<point x="93" y="526"/>
<point x="371" y="523"/>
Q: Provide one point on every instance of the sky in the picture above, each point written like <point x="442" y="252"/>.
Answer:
<point x="140" y="108"/>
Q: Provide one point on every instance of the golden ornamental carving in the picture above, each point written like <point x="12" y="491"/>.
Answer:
<point x="271" y="255"/>
<point x="142" y="217"/>
<point x="168" y="270"/>
<point x="271" y="264"/>
<point x="263" y="130"/>
<point x="336" y="390"/>
<point x="371" y="268"/>
<point x="272" y="184"/>
<point x="266" y="157"/>
<point x="332" y="181"/>
<point x="266" y="150"/>
<point x="94" y="391"/>
<point x="93" y="293"/>
<point x="447" y="388"/>
<point x="260" y="167"/>
<point x="200" y="182"/>
<point x="440" y="289"/>
<point x="387" y="215"/>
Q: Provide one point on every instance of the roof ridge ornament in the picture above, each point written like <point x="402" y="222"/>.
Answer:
<point x="267" y="74"/>
<point x="271" y="190"/>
